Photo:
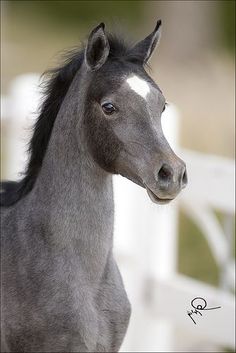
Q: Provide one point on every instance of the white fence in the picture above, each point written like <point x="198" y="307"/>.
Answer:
<point x="146" y="240"/>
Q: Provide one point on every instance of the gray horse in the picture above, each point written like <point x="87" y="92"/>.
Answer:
<point x="61" y="288"/>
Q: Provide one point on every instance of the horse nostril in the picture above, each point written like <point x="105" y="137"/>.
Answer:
<point x="165" y="173"/>
<point x="184" y="180"/>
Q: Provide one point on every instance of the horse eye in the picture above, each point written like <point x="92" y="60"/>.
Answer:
<point x="164" y="108"/>
<point x="108" y="108"/>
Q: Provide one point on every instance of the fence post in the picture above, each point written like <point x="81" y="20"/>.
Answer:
<point x="163" y="246"/>
<point x="20" y="109"/>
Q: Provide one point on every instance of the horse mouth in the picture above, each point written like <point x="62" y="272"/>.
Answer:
<point x="157" y="199"/>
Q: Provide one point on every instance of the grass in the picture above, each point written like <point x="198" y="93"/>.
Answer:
<point x="195" y="257"/>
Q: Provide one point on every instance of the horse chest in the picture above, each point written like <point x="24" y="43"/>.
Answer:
<point x="114" y="310"/>
<point x="99" y="312"/>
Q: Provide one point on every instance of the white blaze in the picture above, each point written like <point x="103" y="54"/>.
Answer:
<point x="139" y="85"/>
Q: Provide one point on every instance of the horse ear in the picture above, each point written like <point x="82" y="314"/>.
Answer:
<point x="145" y="48"/>
<point x="97" y="49"/>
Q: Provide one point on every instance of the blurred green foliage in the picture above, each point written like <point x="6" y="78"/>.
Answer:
<point x="71" y="14"/>
<point x="68" y="15"/>
<point x="226" y="13"/>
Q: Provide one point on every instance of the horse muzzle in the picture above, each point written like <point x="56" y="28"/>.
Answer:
<point x="168" y="183"/>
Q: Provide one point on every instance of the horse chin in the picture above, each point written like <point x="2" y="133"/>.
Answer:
<point x="154" y="198"/>
<point x="157" y="199"/>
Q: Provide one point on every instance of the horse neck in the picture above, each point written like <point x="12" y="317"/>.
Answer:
<point x="72" y="191"/>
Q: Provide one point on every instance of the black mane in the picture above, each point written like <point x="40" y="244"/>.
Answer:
<point x="55" y="89"/>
